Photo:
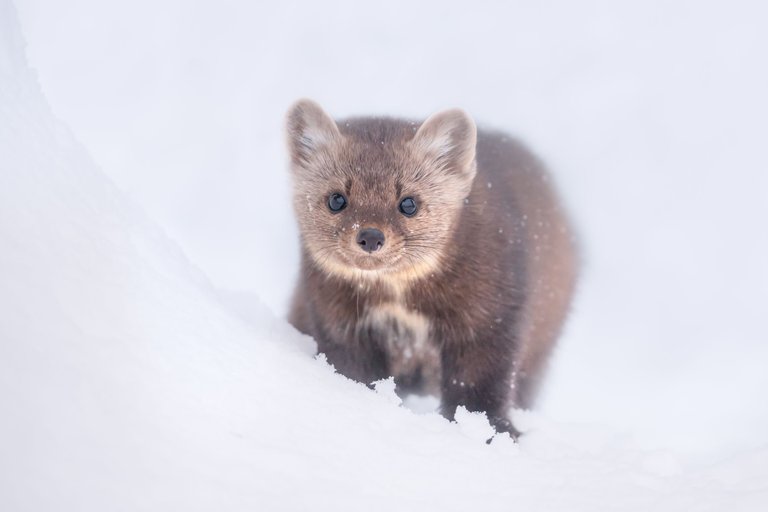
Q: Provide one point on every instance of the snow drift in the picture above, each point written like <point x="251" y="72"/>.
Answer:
<point x="126" y="385"/>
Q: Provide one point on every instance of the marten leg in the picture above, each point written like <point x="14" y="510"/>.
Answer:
<point x="361" y="357"/>
<point x="477" y="376"/>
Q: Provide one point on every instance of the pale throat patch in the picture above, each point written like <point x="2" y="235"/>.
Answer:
<point x="397" y="280"/>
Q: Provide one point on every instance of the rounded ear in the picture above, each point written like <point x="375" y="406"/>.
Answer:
<point x="309" y="128"/>
<point x="449" y="137"/>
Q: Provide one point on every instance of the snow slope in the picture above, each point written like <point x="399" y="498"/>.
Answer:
<point x="125" y="384"/>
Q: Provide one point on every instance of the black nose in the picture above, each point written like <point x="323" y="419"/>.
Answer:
<point x="370" y="239"/>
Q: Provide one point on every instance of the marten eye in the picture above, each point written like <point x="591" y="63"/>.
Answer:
<point x="337" y="202"/>
<point x="408" y="207"/>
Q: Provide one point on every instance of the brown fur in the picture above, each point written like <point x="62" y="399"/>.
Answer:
<point x="465" y="298"/>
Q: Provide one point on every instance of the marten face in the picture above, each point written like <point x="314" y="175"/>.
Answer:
<point x="377" y="202"/>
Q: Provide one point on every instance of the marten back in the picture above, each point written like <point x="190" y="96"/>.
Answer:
<point x="549" y="255"/>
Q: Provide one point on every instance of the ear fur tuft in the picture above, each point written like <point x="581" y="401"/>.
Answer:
<point x="309" y="128"/>
<point x="449" y="137"/>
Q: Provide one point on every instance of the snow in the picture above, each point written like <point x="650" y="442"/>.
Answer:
<point x="133" y="379"/>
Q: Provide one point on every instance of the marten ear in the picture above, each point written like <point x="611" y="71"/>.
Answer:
<point x="449" y="138"/>
<point x="309" y="128"/>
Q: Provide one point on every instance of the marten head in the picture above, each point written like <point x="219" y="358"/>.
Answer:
<point x="379" y="198"/>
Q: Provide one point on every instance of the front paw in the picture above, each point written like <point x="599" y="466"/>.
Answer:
<point x="503" y="425"/>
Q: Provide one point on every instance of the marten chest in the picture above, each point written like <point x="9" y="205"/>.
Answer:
<point x="404" y="335"/>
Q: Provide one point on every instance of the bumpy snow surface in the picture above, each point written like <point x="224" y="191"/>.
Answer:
<point x="126" y="384"/>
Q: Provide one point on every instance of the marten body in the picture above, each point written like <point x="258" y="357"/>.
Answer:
<point x="431" y="253"/>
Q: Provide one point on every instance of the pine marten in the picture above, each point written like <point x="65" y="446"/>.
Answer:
<point x="431" y="252"/>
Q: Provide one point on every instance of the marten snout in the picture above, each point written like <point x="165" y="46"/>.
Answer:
<point x="370" y="239"/>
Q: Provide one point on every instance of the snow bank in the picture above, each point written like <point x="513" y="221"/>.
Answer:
<point x="126" y="385"/>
